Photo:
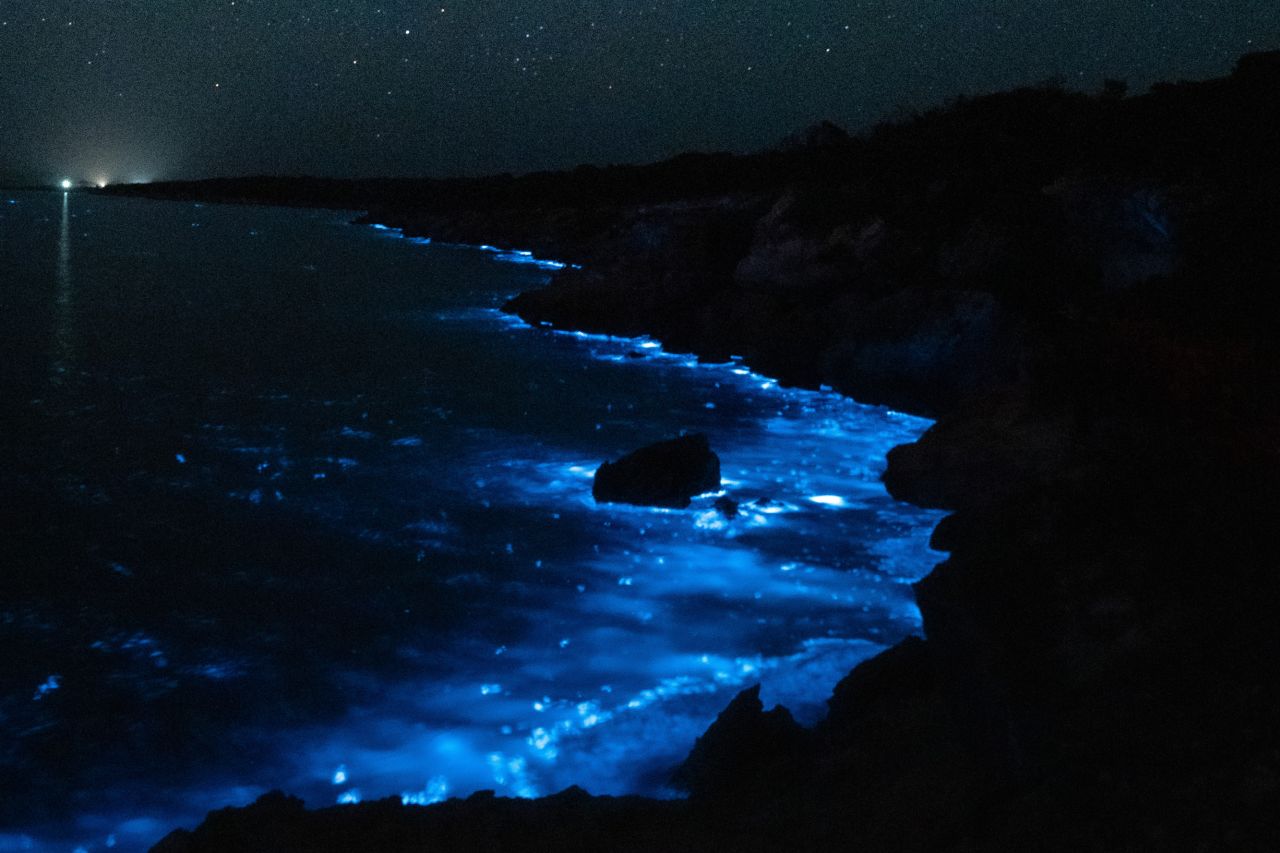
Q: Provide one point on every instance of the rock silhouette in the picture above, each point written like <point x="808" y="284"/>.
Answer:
<point x="666" y="474"/>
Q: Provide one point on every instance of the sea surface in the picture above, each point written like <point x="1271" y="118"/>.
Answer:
<point x="288" y="503"/>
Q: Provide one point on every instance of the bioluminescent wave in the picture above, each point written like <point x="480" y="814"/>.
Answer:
<point x="316" y="516"/>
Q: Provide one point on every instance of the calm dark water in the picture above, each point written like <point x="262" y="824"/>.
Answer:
<point x="287" y="503"/>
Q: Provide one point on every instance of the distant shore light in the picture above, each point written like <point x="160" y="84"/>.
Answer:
<point x="66" y="183"/>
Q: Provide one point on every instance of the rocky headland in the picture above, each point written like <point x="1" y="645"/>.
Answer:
<point x="1084" y="290"/>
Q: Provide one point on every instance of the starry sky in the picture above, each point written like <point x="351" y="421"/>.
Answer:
<point x="155" y="89"/>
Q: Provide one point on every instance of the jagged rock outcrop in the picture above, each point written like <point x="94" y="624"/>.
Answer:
<point x="746" y="755"/>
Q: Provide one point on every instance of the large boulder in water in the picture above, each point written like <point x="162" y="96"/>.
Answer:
<point x="666" y="474"/>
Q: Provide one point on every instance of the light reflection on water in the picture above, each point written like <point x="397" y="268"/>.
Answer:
<point x="484" y="624"/>
<point x="63" y="358"/>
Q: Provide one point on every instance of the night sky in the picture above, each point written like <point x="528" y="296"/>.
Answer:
<point x="154" y="89"/>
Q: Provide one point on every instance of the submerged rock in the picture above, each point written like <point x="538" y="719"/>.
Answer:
<point x="727" y="507"/>
<point x="666" y="474"/>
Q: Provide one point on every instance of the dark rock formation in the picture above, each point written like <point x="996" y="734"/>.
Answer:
<point x="746" y="755"/>
<point x="568" y="821"/>
<point x="666" y="474"/>
<point x="997" y="448"/>
<point x="727" y="507"/>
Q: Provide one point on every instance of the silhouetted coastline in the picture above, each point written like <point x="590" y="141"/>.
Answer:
<point x="1083" y="289"/>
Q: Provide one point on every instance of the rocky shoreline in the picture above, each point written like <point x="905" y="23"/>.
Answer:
<point x="1085" y="291"/>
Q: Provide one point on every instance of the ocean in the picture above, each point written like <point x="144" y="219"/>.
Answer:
<point x="287" y="503"/>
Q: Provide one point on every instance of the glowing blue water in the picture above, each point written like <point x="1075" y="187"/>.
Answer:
<point x="294" y="506"/>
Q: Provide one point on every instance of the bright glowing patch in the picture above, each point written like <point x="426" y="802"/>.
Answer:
<point x="710" y="520"/>
<point x="50" y="684"/>
<point x="66" y="184"/>
<point x="435" y="792"/>
<point x="829" y="500"/>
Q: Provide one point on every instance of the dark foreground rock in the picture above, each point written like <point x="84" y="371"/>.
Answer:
<point x="1084" y="291"/>
<point x="569" y="821"/>
<point x="666" y="474"/>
